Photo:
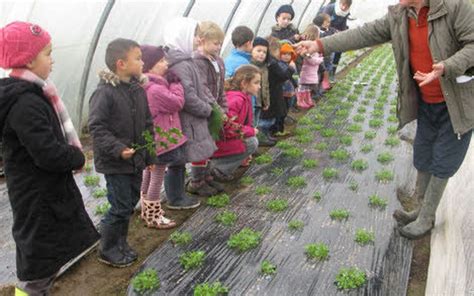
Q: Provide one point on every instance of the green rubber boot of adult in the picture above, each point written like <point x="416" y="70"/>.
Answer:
<point x="405" y="217"/>
<point x="425" y="221"/>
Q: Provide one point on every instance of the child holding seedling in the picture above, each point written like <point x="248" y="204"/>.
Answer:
<point x="200" y="108"/>
<point x="239" y="136"/>
<point x="212" y="69"/>
<point x="41" y="149"/>
<point x="119" y="116"/>
<point x="165" y="99"/>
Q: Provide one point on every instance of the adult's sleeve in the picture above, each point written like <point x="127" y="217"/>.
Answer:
<point x="370" y="34"/>
<point x="462" y="60"/>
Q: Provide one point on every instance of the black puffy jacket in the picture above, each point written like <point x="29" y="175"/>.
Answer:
<point x="118" y="116"/>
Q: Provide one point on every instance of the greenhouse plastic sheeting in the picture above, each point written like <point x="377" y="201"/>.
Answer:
<point x="219" y="12"/>
<point x="452" y="241"/>
<point x="71" y="34"/>
<point x="73" y="23"/>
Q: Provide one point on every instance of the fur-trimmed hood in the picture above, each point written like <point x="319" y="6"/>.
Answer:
<point x="109" y="77"/>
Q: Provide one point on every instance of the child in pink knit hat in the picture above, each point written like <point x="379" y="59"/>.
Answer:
<point x="41" y="150"/>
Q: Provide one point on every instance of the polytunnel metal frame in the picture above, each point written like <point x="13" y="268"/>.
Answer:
<point x="260" y="20"/>
<point x="103" y="20"/>
<point x="231" y="16"/>
<point x="90" y="57"/>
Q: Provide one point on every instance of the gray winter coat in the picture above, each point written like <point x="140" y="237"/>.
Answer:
<point x="213" y="81"/>
<point x="451" y="41"/>
<point x="197" y="107"/>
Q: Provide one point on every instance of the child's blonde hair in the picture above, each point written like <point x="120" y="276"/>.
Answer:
<point x="311" y="32"/>
<point x="244" y="73"/>
<point x="210" y="31"/>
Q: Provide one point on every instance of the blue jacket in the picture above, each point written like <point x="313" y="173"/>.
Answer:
<point x="236" y="59"/>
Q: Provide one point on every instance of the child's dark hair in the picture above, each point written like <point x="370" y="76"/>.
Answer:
<point x="244" y="73"/>
<point x="241" y="35"/>
<point x="117" y="50"/>
<point x="347" y="2"/>
<point x="320" y="18"/>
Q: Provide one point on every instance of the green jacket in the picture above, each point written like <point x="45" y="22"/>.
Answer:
<point x="263" y="98"/>
<point x="451" y="41"/>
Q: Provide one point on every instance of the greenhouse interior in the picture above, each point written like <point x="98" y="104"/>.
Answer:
<point x="309" y="215"/>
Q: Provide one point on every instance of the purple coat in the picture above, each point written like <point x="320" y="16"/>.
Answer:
<point x="309" y="70"/>
<point x="165" y="101"/>
<point x="214" y="82"/>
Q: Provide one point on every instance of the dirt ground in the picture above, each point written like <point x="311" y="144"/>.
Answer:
<point x="90" y="277"/>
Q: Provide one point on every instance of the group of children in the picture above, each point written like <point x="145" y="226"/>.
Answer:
<point x="183" y="85"/>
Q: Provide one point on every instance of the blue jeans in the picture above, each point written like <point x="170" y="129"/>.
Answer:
<point x="123" y="193"/>
<point x="256" y="115"/>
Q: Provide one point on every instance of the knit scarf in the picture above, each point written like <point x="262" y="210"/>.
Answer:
<point x="51" y="93"/>
<point x="338" y="10"/>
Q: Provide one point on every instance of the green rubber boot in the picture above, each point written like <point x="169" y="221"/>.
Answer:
<point x="404" y="217"/>
<point x="425" y="221"/>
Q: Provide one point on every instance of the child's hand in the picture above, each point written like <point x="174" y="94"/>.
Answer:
<point x="292" y="65"/>
<point x="265" y="108"/>
<point x="127" y="153"/>
<point x="151" y="167"/>
<point x="256" y="130"/>
<point x="297" y="37"/>
<point x="171" y="77"/>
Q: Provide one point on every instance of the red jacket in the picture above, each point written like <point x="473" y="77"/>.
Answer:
<point x="240" y="126"/>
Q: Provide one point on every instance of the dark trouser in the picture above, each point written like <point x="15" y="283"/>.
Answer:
<point x="38" y="287"/>
<point x="437" y="149"/>
<point x="290" y="102"/>
<point x="336" y="58"/>
<point x="279" y="125"/>
<point x="123" y="194"/>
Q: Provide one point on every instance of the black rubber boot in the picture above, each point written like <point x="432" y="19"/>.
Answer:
<point x="174" y="187"/>
<point x="110" y="249"/>
<point x="404" y="217"/>
<point x="211" y="181"/>
<point x="425" y="221"/>
<point x="264" y="140"/>
<point x="124" y="246"/>
<point x="198" y="185"/>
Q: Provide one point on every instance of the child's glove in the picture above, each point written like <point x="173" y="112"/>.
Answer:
<point x="171" y="77"/>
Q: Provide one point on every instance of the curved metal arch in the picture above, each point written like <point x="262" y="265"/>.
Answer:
<point x="303" y="13"/>
<point x="90" y="56"/>
<point x="189" y="8"/>
<point x="231" y="16"/>
<point x="262" y="15"/>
